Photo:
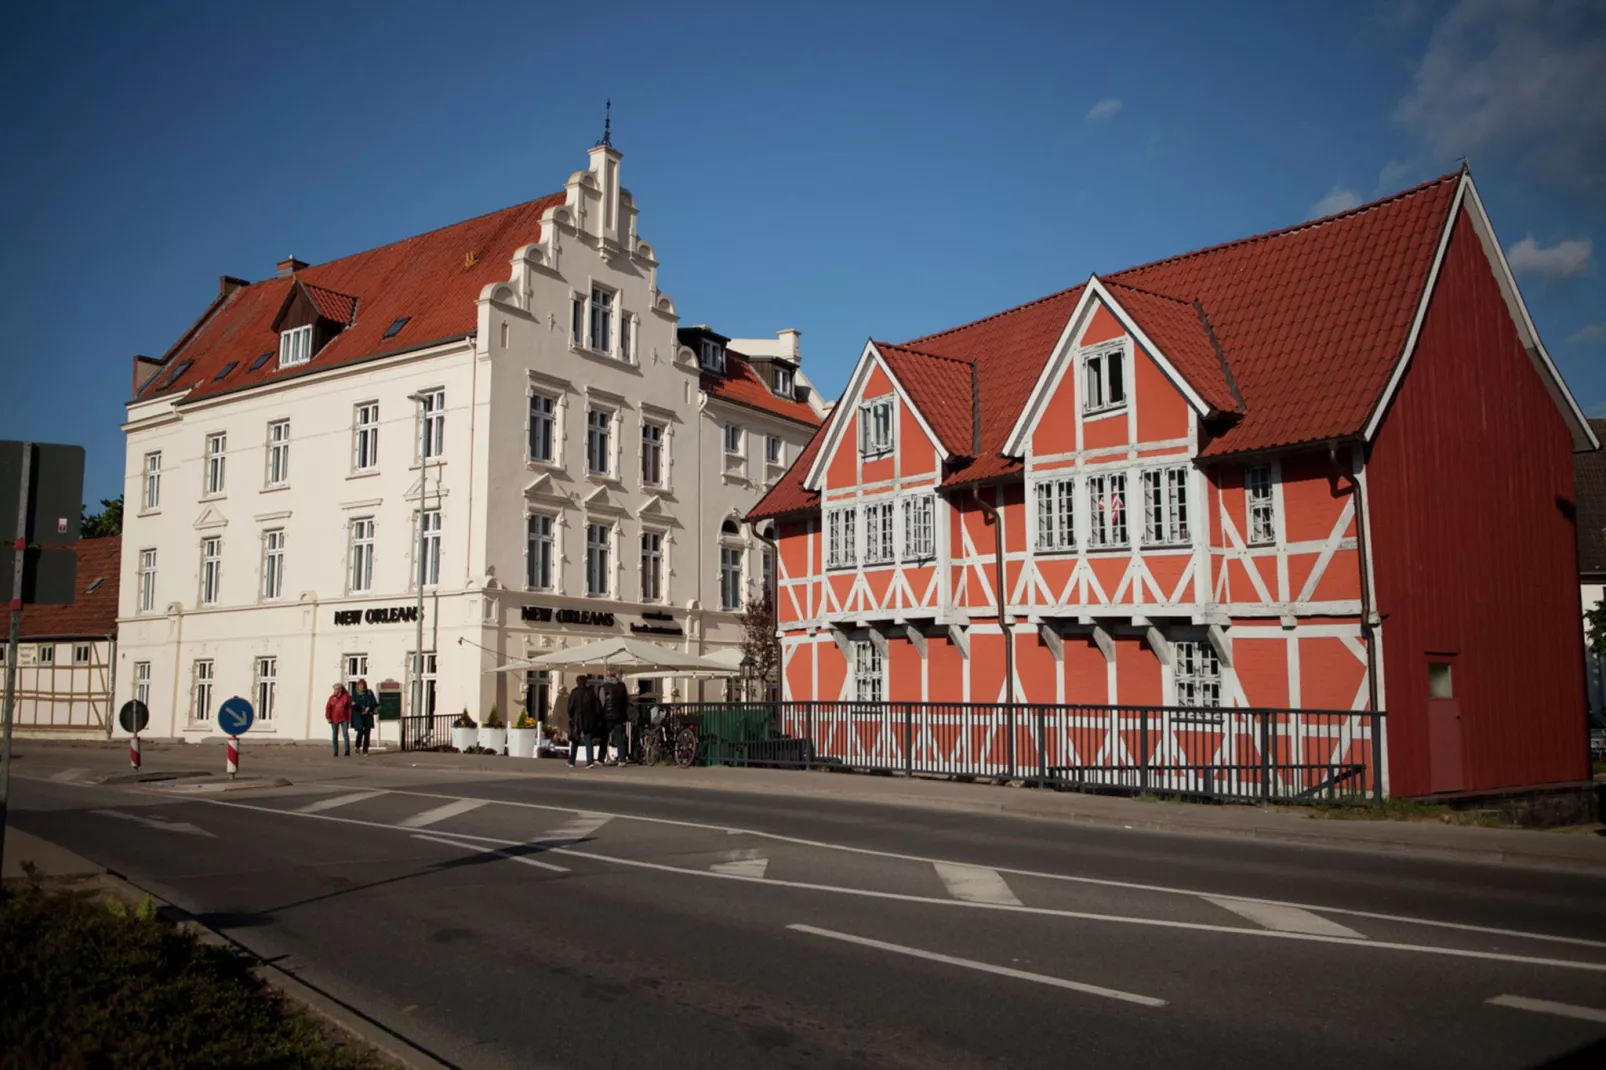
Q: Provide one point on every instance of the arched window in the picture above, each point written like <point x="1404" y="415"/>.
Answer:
<point x="730" y="527"/>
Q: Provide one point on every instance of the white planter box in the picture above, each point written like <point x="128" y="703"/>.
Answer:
<point x="464" y="738"/>
<point x="521" y="742"/>
<point x="493" y="739"/>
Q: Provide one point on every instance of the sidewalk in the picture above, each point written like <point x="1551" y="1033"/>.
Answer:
<point x="1579" y="848"/>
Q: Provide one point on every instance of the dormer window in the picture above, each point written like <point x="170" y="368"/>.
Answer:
<point x="713" y="356"/>
<point x="295" y="346"/>
<point x="1105" y="374"/>
<point x="782" y="380"/>
<point x="875" y="427"/>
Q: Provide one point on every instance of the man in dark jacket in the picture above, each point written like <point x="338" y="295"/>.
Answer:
<point x="585" y="718"/>
<point x="615" y="712"/>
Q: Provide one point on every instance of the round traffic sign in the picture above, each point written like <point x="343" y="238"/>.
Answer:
<point x="134" y="716"/>
<point x="235" y="716"/>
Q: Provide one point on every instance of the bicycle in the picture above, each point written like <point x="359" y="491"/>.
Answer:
<point x="663" y="741"/>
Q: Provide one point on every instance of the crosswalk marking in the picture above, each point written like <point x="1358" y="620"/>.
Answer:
<point x="441" y="813"/>
<point x="1285" y="919"/>
<point x="577" y="828"/>
<point x="321" y="805"/>
<point x="1545" y="1006"/>
<point x="746" y="862"/>
<point x="500" y="852"/>
<point x="157" y="823"/>
<point x="975" y="884"/>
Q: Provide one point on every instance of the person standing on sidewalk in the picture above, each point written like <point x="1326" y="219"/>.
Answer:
<point x="615" y="710"/>
<point x="364" y="712"/>
<point x="337" y="711"/>
<point x="585" y="717"/>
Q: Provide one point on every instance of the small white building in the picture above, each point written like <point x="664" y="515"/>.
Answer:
<point x="65" y="653"/>
<point x="504" y="409"/>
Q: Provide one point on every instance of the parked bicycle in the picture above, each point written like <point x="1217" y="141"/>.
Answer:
<point x="668" y="737"/>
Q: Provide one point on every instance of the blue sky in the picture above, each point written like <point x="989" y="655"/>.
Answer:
<point x="851" y="170"/>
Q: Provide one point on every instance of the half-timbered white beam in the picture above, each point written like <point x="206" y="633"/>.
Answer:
<point x="1106" y="644"/>
<point x="961" y="640"/>
<point x="840" y="638"/>
<point x="878" y="639"/>
<point x="1221" y="644"/>
<point x="1159" y="644"/>
<point x="917" y="638"/>
<point x="1052" y="640"/>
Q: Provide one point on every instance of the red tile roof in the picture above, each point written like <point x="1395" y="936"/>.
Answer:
<point x="741" y="385"/>
<point x="1311" y="321"/>
<point x="94" y="612"/>
<point x="941" y="388"/>
<point x="431" y="278"/>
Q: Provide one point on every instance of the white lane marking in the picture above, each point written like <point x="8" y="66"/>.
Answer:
<point x="746" y="862"/>
<point x="1545" y="1006"/>
<point x="441" y="813"/>
<point x="975" y="884"/>
<point x="501" y="852"/>
<point x="68" y="775"/>
<point x="1102" y="882"/>
<point x="583" y="825"/>
<point x="339" y="800"/>
<point x="984" y="967"/>
<point x="1287" y="919"/>
<point x="157" y="823"/>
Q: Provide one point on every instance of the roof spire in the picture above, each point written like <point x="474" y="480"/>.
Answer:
<point x="607" y="125"/>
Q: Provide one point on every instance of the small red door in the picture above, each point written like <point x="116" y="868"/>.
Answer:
<point x="1445" y="769"/>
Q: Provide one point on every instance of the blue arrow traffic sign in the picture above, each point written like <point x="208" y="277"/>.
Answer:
<point x="235" y="716"/>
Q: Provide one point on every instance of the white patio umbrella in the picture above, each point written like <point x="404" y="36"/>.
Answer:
<point x="623" y="654"/>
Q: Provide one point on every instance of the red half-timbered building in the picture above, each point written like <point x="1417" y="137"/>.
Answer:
<point x="1325" y="468"/>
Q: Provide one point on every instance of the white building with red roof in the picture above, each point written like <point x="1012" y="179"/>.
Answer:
<point x="500" y="410"/>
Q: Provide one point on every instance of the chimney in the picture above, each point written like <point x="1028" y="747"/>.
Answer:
<point x="227" y="284"/>
<point x="289" y="266"/>
<point x="789" y="346"/>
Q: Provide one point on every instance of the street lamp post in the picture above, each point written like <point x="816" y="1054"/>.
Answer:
<point x="418" y="556"/>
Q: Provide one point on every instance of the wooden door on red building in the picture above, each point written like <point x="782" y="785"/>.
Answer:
<point x="1446" y="768"/>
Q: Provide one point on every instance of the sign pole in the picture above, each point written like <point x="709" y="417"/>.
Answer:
<point x="233" y="760"/>
<point x="133" y="750"/>
<point x="20" y="553"/>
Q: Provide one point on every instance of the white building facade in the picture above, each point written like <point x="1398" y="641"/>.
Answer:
<point x="500" y="412"/>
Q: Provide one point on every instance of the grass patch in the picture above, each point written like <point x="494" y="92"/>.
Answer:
<point x="91" y="982"/>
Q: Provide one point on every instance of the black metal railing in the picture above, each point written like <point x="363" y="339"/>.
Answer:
<point x="1216" y="753"/>
<point x="432" y="732"/>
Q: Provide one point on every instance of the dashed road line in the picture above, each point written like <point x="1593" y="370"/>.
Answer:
<point x="984" y="967"/>
<point x="746" y="862"/>
<point x="321" y="805"/>
<point x="975" y="884"/>
<point x="583" y="825"/>
<point x="1285" y="919"/>
<point x="157" y="823"/>
<point x="1545" y="1006"/>
<point x="441" y="813"/>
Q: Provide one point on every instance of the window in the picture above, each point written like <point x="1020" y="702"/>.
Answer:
<point x="919" y="527"/>
<point x="267" y="688"/>
<point x="1105" y="380"/>
<point x="730" y="578"/>
<point x="601" y="320"/>
<point x="47" y="654"/>
<point x="295" y="346"/>
<point x="652" y="566"/>
<point x="652" y="454"/>
<point x="224" y="374"/>
<point x="217" y="446"/>
<point x="599" y="428"/>
<point x="538" y="552"/>
<point x="712" y="356"/>
<point x="365" y="449"/>
<point x="278" y="453"/>
<point x="1165" y="506"/>
<point x="733" y="438"/>
<point x="211" y="569"/>
<point x="355" y="667"/>
<point x="841" y="549"/>
<point x="201" y="691"/>
<point x="772" y="449"/>
<point x="396" y="325"/>
<point x="147" y="581"/>
<point x="429" y="566"/>
<point x="597" y="538"/>
<point x="434" y="429"/>
<point x="781" y="380"/>
<point x="878" y="533"/>
<point x="1440" y="683"/>
<point x="1198" y="675"/>
<point x="868" y="682"/>
<point x="1056" y="514"/>
<point x="577" y="318"/>
<point x="626" y="352"/>
<point x="153" y="480"/>
<point x="273" y="565"/>
<point x="769" y="572"/>
<point x="507" y="333"/>
<point x="261" y="360"/>
<point x="426" y="677"/>
<point x="142" y="682"/>
<point x="1262" y="515"/>
<point x="875" y="427"/>
<point x="362" y="554"/>
<point x="543" y="427"/>
<point x="1106" y="499"/>
<point x="81" y="653"/>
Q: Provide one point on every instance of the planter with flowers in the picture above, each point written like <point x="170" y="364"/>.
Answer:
<point x="493" y="733"/>
<point x="465" y="733"/>
<point x="522" y="737"/>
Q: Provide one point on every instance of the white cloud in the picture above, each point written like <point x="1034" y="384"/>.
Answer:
<point x="1104" y="109"/>
<point x="1592" y="335"/>
<point x="1517" y="77"/>
<point x="1560" y="261"/>
<point x="1392" y="176"/>
<point x="1338" y="199"/>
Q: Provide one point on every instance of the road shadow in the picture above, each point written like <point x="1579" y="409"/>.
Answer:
<point x="1588" y="1057"/>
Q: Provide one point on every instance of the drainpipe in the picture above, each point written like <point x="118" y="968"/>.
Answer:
<point x="111" y="683"/>
<point x="998" y="566"/>
<point x="1368" y="629"/>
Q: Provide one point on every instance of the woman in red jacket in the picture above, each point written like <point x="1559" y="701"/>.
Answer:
<point x="337" y="711"/>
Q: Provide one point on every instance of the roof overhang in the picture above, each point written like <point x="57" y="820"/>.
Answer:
<point x="847" y="405"/>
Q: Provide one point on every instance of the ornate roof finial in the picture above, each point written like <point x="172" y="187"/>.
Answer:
<point x="607" y="126"/>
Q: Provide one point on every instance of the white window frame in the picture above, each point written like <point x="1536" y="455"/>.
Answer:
<point x="730" y="578"/>
<point x="1196" y="675"/>
<point x="365" y="437"/>
<point x="655" y="474"/>
<point x="295" y="346"/>
<point x="919" y="530"/>
<point x="878" y="533"/>
<point x="783" y="381"/>
<point x="82" y="654"/>
<point x="599" y="559"/>
<point x="425" y="669"/>
<point x="600" y="321"/>
<point x="142" y="682"/>
<point x="216" y="471"/>
<point x="273" y="544"/>
<point x="360" y="575"/>
<point x="147" y="580"/>
<point x="599" y="434"/>
<point x="203" y="676"/>
<point x="1054" y="514"/>
<point x="428" y="568"/>
<point x="842" y="549"/>
<point x="432" y="412"/>
<point x="877" y="420"/>
<point x="577" y="319"/>
<point x="869" y="672"/>
<point x="627" y="337"/>
<point x="1105" y="533"/>
<point x="265" y="686"/>
<point x="711" y="356"/>
<point x="353" y="667"/>
<point x="543" y="428"/>
<point x="278" y="473"/>
<point x="773" y="450"/>
<point x="652" y="565"/>
<point x="1166" y="513"/>
<point x="735" y="440"/>
<point x="540" y="548"/>
<point x="45" y="654"/>
<point x="1098" y="384"/>
<point x="1260" y="506"/>
<point x="211" y="569"/>
<point x="152" y="499"/>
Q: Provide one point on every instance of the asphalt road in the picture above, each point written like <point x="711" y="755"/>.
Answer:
<point x="592" y="922"/>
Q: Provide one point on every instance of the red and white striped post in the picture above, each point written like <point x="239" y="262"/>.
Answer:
<point x="234" y="756"/>
<point x="133" y="750"/>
